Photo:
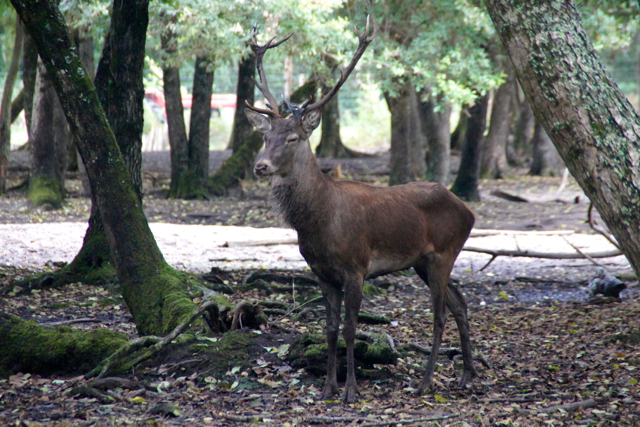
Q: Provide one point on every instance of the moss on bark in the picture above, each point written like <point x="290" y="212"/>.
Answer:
<point x="26" y="346"/>
<point x="46" y="191"/>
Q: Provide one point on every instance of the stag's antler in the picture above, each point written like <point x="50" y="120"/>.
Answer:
<point x="298" y="111"/>
<point x="259" y="51"/>
<point x="363" y="42"/>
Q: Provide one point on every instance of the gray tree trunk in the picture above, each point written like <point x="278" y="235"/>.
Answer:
<point x="245" y="91"/>
<point x="520" y="148"/>
<point x="466" y="184"/>
<point x="407" y="139"/>
<point x="437" y="130"/>
<point x="5" y="107"/>
<point x="546" y="161"/>
<point x="494" y="155"/>
<point x="591" y="123"/>
<point x="48" y="152"/>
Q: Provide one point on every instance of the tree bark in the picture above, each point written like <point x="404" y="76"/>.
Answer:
<point x="407" y="161"/>
<point x="591" y="123"/>
<point x="546" y="161"/>
<point x="494" y="155"/>
<point x="29" y="75"/>
<point x="245" y="91"/>
<point x="437" y="130"/>
<point x="466" y="184"/>
<point x="522" y="135"/>
<point x="459" y="133"/>
<point x="198" y="143"/>
<point x="5" y="107"/>
<point x="48" y="152"/>
<point x="84" y="41"/>
<point x="155" y="294"/>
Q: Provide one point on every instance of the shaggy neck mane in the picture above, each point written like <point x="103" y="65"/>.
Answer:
<point x="301" y="197"/>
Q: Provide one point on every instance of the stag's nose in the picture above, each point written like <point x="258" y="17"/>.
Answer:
<point x="260" y="169"/>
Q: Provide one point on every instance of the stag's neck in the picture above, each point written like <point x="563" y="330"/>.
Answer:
<point x="303" y="195"/>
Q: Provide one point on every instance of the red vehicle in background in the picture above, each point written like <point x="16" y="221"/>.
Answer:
<point x="218" y="101"/>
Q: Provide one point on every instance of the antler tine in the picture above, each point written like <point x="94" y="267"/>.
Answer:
<point x="363" y="42"/>
<point x="263" y="85"/>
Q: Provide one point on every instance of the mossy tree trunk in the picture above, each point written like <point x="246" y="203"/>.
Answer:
<point x="593" y="126"/>
<point x="48" y="152"/>
<point x="155" y="294"/>
<point x="436" y="127"/>
<point x="5" y="107"/>
<point x="465" y="185"/>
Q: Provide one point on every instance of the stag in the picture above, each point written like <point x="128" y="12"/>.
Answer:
<point x="349" y="232"/>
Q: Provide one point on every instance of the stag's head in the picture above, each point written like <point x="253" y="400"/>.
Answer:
<point x="284" y="136"/>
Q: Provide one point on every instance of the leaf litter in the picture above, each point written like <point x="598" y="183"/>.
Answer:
<point x="544" y="353"/>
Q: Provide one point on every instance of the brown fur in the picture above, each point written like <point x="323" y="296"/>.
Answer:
<point x="348" y="231"/>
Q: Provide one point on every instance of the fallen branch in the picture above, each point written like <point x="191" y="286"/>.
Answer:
<point x="157" y="344"/>
<point x="412" y="421"/>
<point x="587" y="256"/>
<point x="294" y="241"/>
<point x="567" y="407"/>
<point x="596" y="227"/>
<point x="71" y="322"/>
<point x="533" y="254"/>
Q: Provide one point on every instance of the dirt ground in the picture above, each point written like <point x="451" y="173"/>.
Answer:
<point x="541" y="343"/>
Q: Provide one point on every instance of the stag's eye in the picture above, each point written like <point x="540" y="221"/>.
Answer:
<point x="292" y="139"/>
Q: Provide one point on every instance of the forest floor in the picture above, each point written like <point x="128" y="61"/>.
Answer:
<point x="547" y="354"/>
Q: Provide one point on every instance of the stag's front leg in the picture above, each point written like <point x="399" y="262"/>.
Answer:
<point x="333" y="302"/>
<point x="352" y="301"/>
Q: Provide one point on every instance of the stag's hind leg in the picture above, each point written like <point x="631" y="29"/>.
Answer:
<point x="436" y="275"/>
<point x="458" y="306"/>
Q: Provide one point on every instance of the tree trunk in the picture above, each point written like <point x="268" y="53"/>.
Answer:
<point x="466" y="184"/>
<point x="593" y="126"/>
<point x="177" y="130"/>
<point x="5" y="107"/>
<point x="29" y="75"/>
<point x="520" y="149"/>
<point x="84" y="41"/>
<point x="546" y="160"/>
<point x="198" y="143"/>
<point x="494" y="155"/>
<point x="437" y="130"/>
<point x="245" y="91"/>
<point x="459" y="133"/>
<point x="48" y="153"/>
<point x="155" y="294"/>
<point x="407" y="161"/>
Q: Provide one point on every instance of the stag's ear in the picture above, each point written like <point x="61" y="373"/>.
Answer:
<point x="311" y="120"/>
<point x="261" y="123"/>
